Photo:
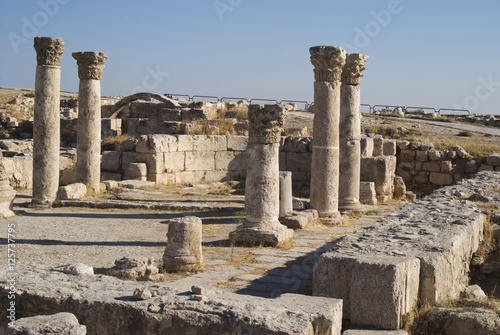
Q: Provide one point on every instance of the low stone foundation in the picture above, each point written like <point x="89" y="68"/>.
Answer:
<point x="105" y="305"/>
<point x="418" y="253"/>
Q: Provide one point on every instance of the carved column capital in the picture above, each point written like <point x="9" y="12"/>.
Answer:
<point x="354" y="65"/>
<point x="328" y="62"/>
<point x="266" y="123"/>
<point x="48" y="50"/>
<point x="90" y="64"/>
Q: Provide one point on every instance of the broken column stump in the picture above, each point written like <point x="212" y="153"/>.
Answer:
<point x="183" y="251"/>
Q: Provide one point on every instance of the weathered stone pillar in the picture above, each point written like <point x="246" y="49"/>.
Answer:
<point x="350" y="132"/>
<point x="88" y="145"/>
<point x="183" y="251"/>
<point x="286" y="199"/>
<point x="262" y="202"/>
<point x="328" y="62"/>
<point x="46" y="120"/>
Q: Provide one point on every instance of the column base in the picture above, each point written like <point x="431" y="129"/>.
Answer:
<point x="349" y="205"/>
<point x="271" y="235"/>
<point x="330" y="218"/>
<point x="186" y="263"/>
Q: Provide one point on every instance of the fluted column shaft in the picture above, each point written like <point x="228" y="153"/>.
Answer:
<point x="46" y="120"/>
<point x="328" y="62"/>
<point x="88" y="147"/>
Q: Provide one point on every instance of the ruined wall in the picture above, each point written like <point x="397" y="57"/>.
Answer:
<point x="425" y="169"/>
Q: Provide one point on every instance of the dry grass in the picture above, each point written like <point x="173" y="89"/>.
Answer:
<point x="214" y="127"/>
<point x="478" y="147"/>
<point x="113" y="143"/>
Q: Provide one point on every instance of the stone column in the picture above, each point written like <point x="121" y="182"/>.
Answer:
<point x="350" y="132"/>
<point x="88" y="145"/>
<point x="262" y="203"/>
<point x="183" y="251"/>
<point x="46" y="120"/>
<point x="286" y="199"/>
<point x="328" y="62"/>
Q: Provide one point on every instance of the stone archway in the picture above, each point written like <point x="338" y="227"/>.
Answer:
<point x="115" y="111"/>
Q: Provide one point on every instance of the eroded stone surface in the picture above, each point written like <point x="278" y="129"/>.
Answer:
<point x="106" y="306"/>
<point x="440" y="231"/>
<point x="60" y="323"/>
<point x="183" y="251"/>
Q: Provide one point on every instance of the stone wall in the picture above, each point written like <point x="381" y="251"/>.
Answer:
<point x="181" y="159"/>
<point x="425" y="168"/>
<point x="420" y="252"/>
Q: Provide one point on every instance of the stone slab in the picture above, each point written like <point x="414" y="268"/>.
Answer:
<point x="106" y="306"/>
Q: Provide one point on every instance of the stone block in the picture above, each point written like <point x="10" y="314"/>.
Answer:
<point x="209" y="143"/>
<point x="136" y="171"/>
<point x="493" y="159"/>
<point x="298" y="161"/>
<point x="440" y="178"/>
<point x="431" y="166"/>
<point x="155" y="162"/>
<point x="200" y="161"/>
<point x="111" y="161"/>
<point x="301" y="220"/>
<point x="446" y="166"/>
<point x="422" y="178"/>
<point x="461" y="321"/>
<point x="485" y="167"/>
<point x="407" y="154"/>
<point x="381" y="171"/>
<point x="419" y="165"/>
<point x="403" y="145"/>
<point x="230" y="160"/>
<point x="162" y="178"/>
<point x="378" y="145"/>
<point x="421" y="155"/>
<point x="237" y="143"/>
<point x="377" y="290"/>
<point x="134" y="268"/>
<point x="366" y="146"/>
<point x="67" y="176"/>
<point x="189" y="177"/>
<point x="185" y="142"/>
<point x="471" y="166"/>
<point x="427" y="146"/>
<point x="408" y="165"/>
<point x="367" y="193"/>
<point x="399" y="187"/>
<point x="60" y="323"/>
<point x="158" y="143"/>
<point x="389" y="148"/>
<point x="434" y="155"/>
<point x="175" y="161"/>
<point x="72" y="191"/>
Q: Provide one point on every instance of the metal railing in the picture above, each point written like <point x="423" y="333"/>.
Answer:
<point x="371" y="108"/>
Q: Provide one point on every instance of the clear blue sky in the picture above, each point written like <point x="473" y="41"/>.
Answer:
<point x="422" y="53"/>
